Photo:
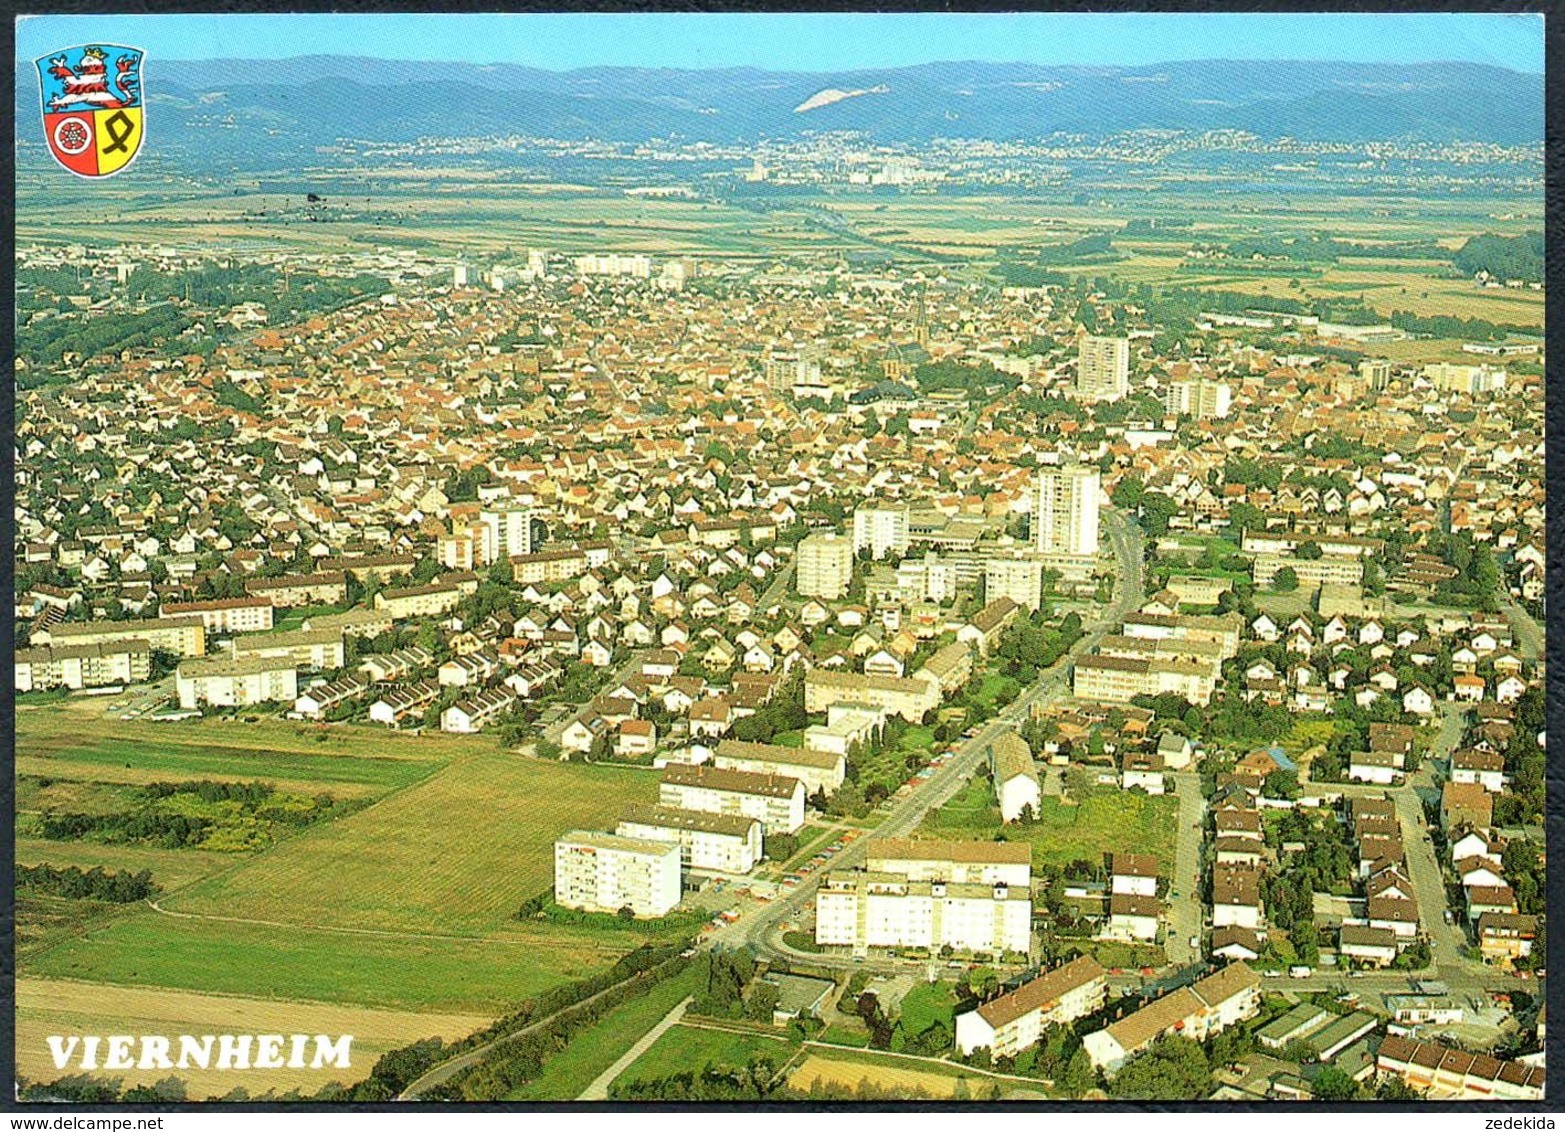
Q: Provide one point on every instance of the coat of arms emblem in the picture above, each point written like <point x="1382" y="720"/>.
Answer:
<point x="93" y="118"/>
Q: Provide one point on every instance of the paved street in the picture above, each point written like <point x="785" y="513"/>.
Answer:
<point x="1185" y="906"/>
<point x="1528" y="633"/>
<point x="599" y="1089"/>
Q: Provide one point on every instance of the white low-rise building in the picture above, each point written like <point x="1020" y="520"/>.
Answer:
<point x="1197" y="1012"/>
<point x="1009" y="1024"/>
<point x="1015" y="776"/>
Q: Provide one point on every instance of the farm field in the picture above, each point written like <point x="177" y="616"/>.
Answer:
<point x="691" y="1047"/>
<point x="144" y="948"/>
<point x="456" y="854"/>
<point x="65" y="742"/>
<point x="55" y="1006"/>
<point x="1104" y="821"/>
<point x="938" y="1081"/>
<point x="461" y="213"/>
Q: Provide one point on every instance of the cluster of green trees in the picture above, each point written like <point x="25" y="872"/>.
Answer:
<point x="215" y="815"/>
<point x="1523" y="802"/>
<point x="1031" y="645"/>
<point x="1173" y="1069"/>
<point x="758" y="1080"/>
<point x="727" y="975"/>
<point x="1449" y="326"/>
<point x="755" y="1081"/>
<point x="975" y="380"/>
<point x="543" y="907"/>
<point x="1325" y="864"/>
<point x="42" y="344"/>
<point x="118" y="887"/>
<point x="1504" y="257"/>
<point x="784" y="712"/>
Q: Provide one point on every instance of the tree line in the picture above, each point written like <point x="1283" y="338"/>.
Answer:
<point x="118" y="887"/>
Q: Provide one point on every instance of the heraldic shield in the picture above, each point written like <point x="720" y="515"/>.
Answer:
<point x="93" y="117"/>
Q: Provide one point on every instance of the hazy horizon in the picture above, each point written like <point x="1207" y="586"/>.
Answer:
<point x="808" y="43"/>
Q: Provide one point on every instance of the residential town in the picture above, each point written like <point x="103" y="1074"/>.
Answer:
<point x="893" y="586"/>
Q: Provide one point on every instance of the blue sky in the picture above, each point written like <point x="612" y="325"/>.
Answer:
<point x="811" y="42"/>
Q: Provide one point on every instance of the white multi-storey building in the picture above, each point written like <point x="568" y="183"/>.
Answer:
<point x="225" y="615"/>
<point x="871" y="909"/>
<point x="504" y="532"/>
<point x="1199" y="397"/>
<point x="716" y="843"/>
<point x="1065" y="510"/>
<point x="1019" y="578"/>
<point x="966" y="862"/>
<point x="236" y="683"/>
<point x="820" y="771"/>
<point x="825" y="566"/>
<point x="603" y="872"/>
<point x="1102" y="368"/>
<point x="880" y="530"/>
<point x="775" y="801"/>
<point x="615" y="263"/>
<point x="82" y="666"/>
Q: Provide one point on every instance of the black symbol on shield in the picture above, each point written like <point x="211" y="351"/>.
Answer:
<point x="120" y="130"/>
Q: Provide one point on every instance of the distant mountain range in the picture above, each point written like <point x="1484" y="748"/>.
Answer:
<point x="280" y="107"/>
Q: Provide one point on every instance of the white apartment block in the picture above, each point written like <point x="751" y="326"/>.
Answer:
<point x="1065" y="510"/>
<point x="930" y="578"/>
<point x="1102" y="368"/>
<point x="1118" y="679"/>
<point x="309" y="648"/>
<point x="236" y="683"/>
<point x="82" y="666"/>
<point x="1009" y="1024"/>
<point x="909" y="697"/>
<point x="504" y="532"/>
<point x="712" y="843"/>
<point x="421" y="601"/>
<point x="1199" y="397"/>
<point x="1019" y="578"/>
<point x="615" y="263"/>
<point x="226" y="615"/>
<point x="1197" y="1012"/>
<point x="965" y="862"/>
<point x="845" y="726"/>
<point x="602" y="872"/>
<point x="880" y="530"/>
<point x="871" y="909"/>
<point x="183" y="635"/>
<point x="774" y="801"/>
<point x="1450" y="377"/>
<point x="820" y="771"/>
<point x="824" y="566"/>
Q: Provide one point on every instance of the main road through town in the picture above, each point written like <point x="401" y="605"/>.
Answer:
<point x="761" y="927"/>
